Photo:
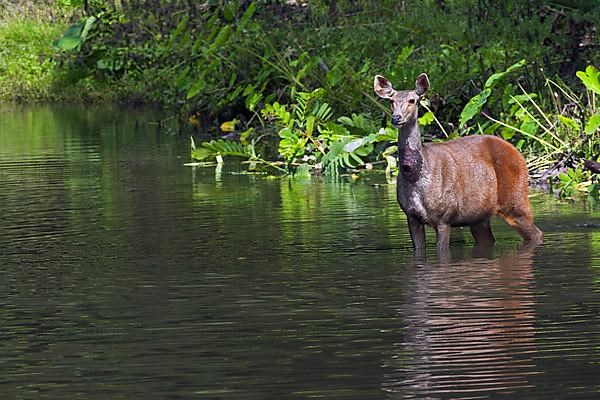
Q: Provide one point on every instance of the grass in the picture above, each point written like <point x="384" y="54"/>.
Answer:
<point x="28" y="69"/>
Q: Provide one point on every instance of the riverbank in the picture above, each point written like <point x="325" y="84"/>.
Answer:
<point x="299" y="75"/>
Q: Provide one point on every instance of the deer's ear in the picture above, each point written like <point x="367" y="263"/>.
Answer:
<point x="383" y="87"/>
<point x="422" y="84"/>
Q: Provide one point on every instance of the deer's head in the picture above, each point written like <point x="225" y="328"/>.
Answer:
<point x="404" y="102"/>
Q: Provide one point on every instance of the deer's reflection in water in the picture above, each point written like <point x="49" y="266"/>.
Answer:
<point x="470" y="329"/>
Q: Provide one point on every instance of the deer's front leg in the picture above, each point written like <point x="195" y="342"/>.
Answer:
<point x="417" y="233"/>
<point x="443" y="237"/>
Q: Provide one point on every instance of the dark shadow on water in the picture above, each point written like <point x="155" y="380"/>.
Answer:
<point x="470" y="327"/>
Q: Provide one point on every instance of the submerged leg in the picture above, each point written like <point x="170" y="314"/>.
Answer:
<point x="482" y="232"/>
<point x="443" y="236"/>
<point x="443" y="242"/>
<point x="529" y="231"/>
<point x="522" y="221"/>
<point x="417" y="233"/>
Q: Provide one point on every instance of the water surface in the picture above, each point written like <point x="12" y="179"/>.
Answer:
<point x="128" y="275"/>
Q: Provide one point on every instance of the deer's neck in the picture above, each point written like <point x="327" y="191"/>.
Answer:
<point x="410" y="152"/>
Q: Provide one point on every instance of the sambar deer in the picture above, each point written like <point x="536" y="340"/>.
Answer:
<point x="461" y="182"/>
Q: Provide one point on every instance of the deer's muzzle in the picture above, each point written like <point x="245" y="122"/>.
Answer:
<point x="397" y="120"/>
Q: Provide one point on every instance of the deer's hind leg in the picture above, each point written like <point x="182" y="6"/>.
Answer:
<point x="521" y="219"/>
<point x="513" y="199"/>
<point x="482" y="232"/>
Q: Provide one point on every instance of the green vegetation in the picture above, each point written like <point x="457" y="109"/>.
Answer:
<point x="27" y="67"/>
<point x="556" y="136"/>
<point x="290" y="82"/>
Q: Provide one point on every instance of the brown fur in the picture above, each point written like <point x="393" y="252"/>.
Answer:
<point x="462" y="182"/>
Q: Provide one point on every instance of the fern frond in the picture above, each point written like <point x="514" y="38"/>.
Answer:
<point x="222" y="147"/>
<point x="348" y="152"/>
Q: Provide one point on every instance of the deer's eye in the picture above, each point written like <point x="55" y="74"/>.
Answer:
<point x="412" y="101"/>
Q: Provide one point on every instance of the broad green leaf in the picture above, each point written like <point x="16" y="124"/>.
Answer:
<point x="221" y="147"/>
<point x="355" y="144"/>
<point x="569" y="122"/>
<point x="229" y="11"/>
<point x="520" y="144"/>
<point x="521" y="98"/>
<point x="336" y="129"/>
<point x="492" y="80"/>
<point x="247" y="15"/>
<point x="71" y="39"/>
<point x="201" y="153"/>
<point x="530" y="127"/>
<point x="364" y="150"/>
<point x="474" y="106"/>
<point x="334" y="150"/>
<point x="245" y="135"/>
<point x="404" y="54"/>
<point x="489" y="129"/>
<point x="306" y="68"/>
<point x="253" y="100"/>
<point x="564" y="177"/>
<point x="521" y="113"/>
<point x="356" y="158"/>
<point x="68" y="43"/>
<point x="334" y="76"/>
<point x="346" y="160"/>
<point x="592" y="124"/>
<point x="286" y="133"/>
<point x="507" y="133"/>
<point x="346" y="121"/>
<point x="180" y="26"/>
<point x="391" y="166"/>
<point x="323" y="112"/>
<point x="89" y="24"/>
<point x="426" y="119"/>
<point x="73" y="31"/>
<point x="195" y="88"/>
<point x="220" y="39"/>
<point x="278" y="111"/>
<point x="182" y="80"/>
<point x="390" y="151"/>
<point x="387" y="135"/>
<point x="590" y="78"/>
<point x="71" y="3"/>
<point x="250" y="89"/>
<point x="310" y="125"/>
<point x="175" y="34"/>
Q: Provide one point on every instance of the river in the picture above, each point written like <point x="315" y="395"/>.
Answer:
<point x="129" y="275"/>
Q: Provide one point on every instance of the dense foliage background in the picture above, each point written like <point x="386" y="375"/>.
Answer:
<point x="299" y="73"/>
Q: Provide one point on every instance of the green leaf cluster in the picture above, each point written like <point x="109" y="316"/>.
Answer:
<point x="476" y="103"/>
<point x="222" y="148"/>
<point x="309" y="135"/>
<point x="76" y="35"/>
<point x="590" y="78"/>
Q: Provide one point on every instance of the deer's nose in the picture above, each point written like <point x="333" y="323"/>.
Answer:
<point x="396" y="119"/>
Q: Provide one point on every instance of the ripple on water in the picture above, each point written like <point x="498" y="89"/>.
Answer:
<point x="127" y="275"/>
